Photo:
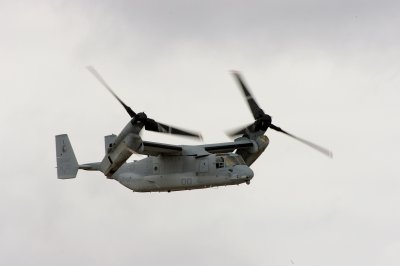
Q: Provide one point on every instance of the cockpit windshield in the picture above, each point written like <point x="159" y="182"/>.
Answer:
<point x="233" y="160"/>
<point x="228" y="160"/>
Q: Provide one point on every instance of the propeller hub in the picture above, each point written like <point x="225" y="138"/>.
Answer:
<point x="140" y="117"/>
<point x="263" y="123"/>
<point x="259" y="113"/>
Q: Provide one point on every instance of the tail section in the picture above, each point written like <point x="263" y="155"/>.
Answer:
<point x="109" y="142"/>
<point x="67" y="165"/>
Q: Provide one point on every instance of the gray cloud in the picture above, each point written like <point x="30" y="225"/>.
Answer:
<point x="325" y="70"/>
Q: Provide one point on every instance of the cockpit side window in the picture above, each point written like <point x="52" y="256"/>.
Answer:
<point x="229" y="161"/>
<point x="240" y="160"/>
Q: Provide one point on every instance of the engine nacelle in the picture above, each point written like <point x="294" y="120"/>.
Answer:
<point x="118" y="154"/>
<point x="250" y="155"/>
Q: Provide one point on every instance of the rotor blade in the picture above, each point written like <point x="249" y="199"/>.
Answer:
<point x="102" y="81"/>
<point x="255" y="109"/>
<point x="310" y="144"/>
<point x="239" y="131"/>
<point x="163" y="128"/>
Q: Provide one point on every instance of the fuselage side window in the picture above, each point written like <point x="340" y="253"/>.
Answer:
<point x="219" y="162"/>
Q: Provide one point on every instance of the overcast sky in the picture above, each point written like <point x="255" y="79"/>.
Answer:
<point x="328" y="71"/>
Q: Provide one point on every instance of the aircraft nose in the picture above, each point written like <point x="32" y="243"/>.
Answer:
<point x="243" y="171"/>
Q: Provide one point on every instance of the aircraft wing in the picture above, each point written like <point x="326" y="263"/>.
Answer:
<point x="154" y="149"/>
<point x="228" y="146"/>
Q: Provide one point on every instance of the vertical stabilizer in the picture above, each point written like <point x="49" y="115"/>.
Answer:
<point x="109" y="142"/>
<point x="67" y="165"/>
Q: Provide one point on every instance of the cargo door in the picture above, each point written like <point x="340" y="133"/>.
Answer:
<point x="203" y="165"/>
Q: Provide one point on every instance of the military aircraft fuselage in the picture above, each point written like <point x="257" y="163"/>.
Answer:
<point x="173" y="173"/>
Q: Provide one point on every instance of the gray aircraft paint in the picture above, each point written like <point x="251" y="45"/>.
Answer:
<point x="171" y="173"/>
<point x="194" y="169"/>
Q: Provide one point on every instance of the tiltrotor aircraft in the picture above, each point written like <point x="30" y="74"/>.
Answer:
<point x="175" y="167"/>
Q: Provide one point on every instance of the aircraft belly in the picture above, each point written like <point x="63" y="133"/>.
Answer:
<point x="176" y="182"/>
<point x="151" y="175"/>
